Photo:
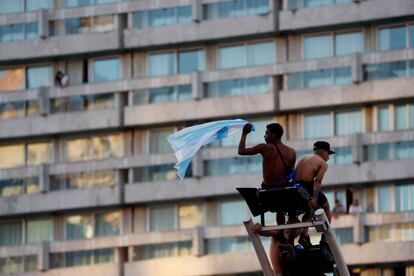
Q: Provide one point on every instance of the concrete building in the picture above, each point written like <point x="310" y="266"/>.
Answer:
<point x="86" y="179"/>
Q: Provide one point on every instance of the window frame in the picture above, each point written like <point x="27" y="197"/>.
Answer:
<point x="148" y="217"/>
<point x="91" y="71"/>
<point x="147" y="148"/>
<point x="43" y="64"/>
<point x="393" y="25"/>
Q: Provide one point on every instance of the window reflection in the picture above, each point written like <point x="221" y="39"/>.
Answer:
<point x="106" y="70"/>
<point x="40" y="153"/>
<point x="12" y="156"/>
<point x="39" y="76"/>
<point x="11" y="79"/>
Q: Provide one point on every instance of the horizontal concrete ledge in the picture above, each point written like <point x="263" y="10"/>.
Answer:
<point x="202" y="109"/>
<point x="389" y="218"/>
<point x="110" y="269"/>
<point x="60" y="45"/>
<point x="60" y="200"/>
<point x="365" y="11"/>
<point x="202" y="31"/>
<point x="60" y="123"/>
<point x="378" y="253"/>
<point x="365" y="92"/>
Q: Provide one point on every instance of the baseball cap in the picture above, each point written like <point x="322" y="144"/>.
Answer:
<point x="324" y="146"/>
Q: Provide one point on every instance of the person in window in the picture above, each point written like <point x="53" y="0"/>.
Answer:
<point x="355" y="208"/>
<point x="278" y="163"/>
<point x="61" y="79"/>
<point x="310" y="170"/>
<point x="338" y="209"/>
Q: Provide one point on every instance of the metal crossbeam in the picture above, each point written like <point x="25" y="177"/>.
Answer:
<point x="292" y="226"/>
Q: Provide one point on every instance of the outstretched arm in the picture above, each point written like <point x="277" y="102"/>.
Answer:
<point x="242" y="145"/>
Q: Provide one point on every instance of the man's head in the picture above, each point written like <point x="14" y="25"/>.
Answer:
<point x="337" y="202"/>
<point x="323" y="149"/>
<point x="273" y="133"/>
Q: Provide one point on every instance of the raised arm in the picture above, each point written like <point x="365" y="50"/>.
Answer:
<point x="242" y="145"/>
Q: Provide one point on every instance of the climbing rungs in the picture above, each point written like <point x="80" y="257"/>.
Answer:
<point x="319" y="225"/>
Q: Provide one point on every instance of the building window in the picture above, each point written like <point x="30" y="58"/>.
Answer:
<point x="384" y="199"/>
<point x="170" y="63"/>
<point x="232" y="212"/>
<point x="383" y="119"/>
<point x="391" y="232"/>
<point x="235" y="8"/>
<point x="40" y="153"/>
<point x="82" y="25"/>
<point x="397" y="69"/>
<point x="17" y="32"/>
<point x="229" y="166"/>
<point x="341" y="44"/>
<point x="237" y="87"/>
<point x="162" y="250"/>
<point x="17" y="186"/>
<point x="12" y="156"/>
<point x="389" y="151"/>
<point x="344" y="235"/>
<point x="18" y="264"/>
<point x="300" y="4"/>
<point x="12" y="110"/>
<point x="11" y="234"/>
<point x="33" y="5"/>
<point x="81" y="258"/>
<point x="12" y="79"/>
<point x="158" y="141"/>
<point x="162" y="17"/>
<point x="157" y="173"/>
<point x="39" y="230"/>
<point x="106" y="70"/>
<point x="83" y="180"/>
<point x="247" y="55"/>
<point x="39" y="76"/>
<point x="404" y="197"/>
<point x="347" y="123"/>
<point x="318" y="125"/>
<point x="228" y="245"/>
<point x="162" y="218"/>
<point x="163" y="95"/>
<point x="394" y="38"/>
<point x="342" y="156"/>
<point x="404" y="116"/>
<point x="191" y="216"/>
<point x="83" y="103"/>
<point x="10" y="6"/>
<point x="87" y="226"/>
<point x="79" y="3"/>
<point x="320" y="78"/>
<point x="94" y="148"/>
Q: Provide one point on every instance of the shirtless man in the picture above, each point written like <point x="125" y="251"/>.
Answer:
<point x="278" y="163"/>
<point x="310" y="170"/>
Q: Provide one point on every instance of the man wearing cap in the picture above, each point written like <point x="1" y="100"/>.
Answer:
<point x="310" y="170"/>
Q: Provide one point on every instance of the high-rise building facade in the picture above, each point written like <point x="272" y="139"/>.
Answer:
<point x="87" y="185"/>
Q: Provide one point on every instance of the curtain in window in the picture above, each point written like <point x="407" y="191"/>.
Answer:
<point x="11" y="233"/>
<point x="318" y="47"/>
<point x="232" y="212"/>
<point x="348" y="122"/>
<point x="158" y="141"/>
<point x="317" y="126"/>
<point x="108" y="224"/>
<point x="162" y="64"/>
<point x="40" y="153"/>
<point x="162" y="218"/>
<point x="12" y="156"/>
<point x="39" y="230"/>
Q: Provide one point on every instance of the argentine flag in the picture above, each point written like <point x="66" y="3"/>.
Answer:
<point x="189" y="140"/>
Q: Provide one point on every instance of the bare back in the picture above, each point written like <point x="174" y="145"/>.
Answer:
<point x="308" y="167"/>
<point x="273" y="168"/>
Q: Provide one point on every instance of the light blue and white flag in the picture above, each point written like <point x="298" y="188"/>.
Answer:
<point x="189" y="140"/>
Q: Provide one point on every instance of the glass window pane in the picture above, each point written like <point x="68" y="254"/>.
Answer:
<point x="11" y="110"/>
<point x="108" y="224"/>
<point x="317" y="126"/>
<point x="73" y="25"/>
<point x="39" y="230"/>
<point x="392" y="38"/>
<point x="32" y="5"/>
<point x="12" y="32"/>
<point x="228" y="245"/>
<point x="384" y="199"/>
<point x="189" y="61"/>
<point x="317" y="3"/>
<point x="343" y="75"/>
<point x="12" y="156"/>
<point x="39" y="76"/>
<point x="77" y="3"/>
<point x="348" y="122"/>
<point x="401" y="117"/>
<point x="162" y="218"/>
<point x="158" y="141"/>
<point x="349" y="43"/>
<point x="185" y="93"/>
<point x="411" y="34"/>
<point x="260" y="53"/>
<point x="232" y="212"/>
<point x="32" y="185"/>
<point x="102" y="24"/>
<point x="319" y="78"/>
<point x="78" y="150"/>
<point x="11" y="79"/>
<point x="78" y="258"/>
<point x="9" y="6"/>
<point x="79" y="227"/>
<point x="411" y="115"/>
<point x="31" y="30"/>
<point x="232" y="57"/>
<point x="157" y="173"/>
<point x="108" y="146"/>
<point x="40" y="153"/>
<point x="383" y="119"/>
<point x="106" y="70"/>
<point x="103" y="256"/>
<point x="318" y="47"/>
<point x="190" y="216"/>
<point x="11" y="187"/>
<point x="162" y="64"/>
<point x="11" y="233"/>
<point x="101" y="101"/>
<point x="343" y="155"/>
<point x="386" y="70"/>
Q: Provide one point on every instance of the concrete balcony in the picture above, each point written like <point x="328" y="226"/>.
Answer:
<point x="60" y="45"/>
<point x="360" y="11"/>
<point x="207" y="108"/>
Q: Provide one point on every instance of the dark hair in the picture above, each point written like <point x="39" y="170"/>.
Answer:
<point x="275" y="129"/>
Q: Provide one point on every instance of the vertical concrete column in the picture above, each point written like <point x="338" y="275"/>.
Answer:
<point x="42" y="23"/>
<point x="274" y="11"/>
<point x="119" y="259"/>
<point x="197" y="10"/>
<point x="197" y="85"/>
<point x="130" y="176"/>
<point x="359" y="228"/>
<point x="198" y="242"/>
<point x="285" y="5"/>
<point x="131" y="254"/>
<point x="44" y="178"/>
<point x="120" y="23"/>
<point x="357" y="68"/>
<point x="129" y="21"/>
<point x="120" y="180"/>
<point x="274" y="89"/>
<point x="357" y="148"/>
<point x="120" y="102"/>
<point x="43" y="256"/>
<point x="197" y="165"/>
<point x="43" y="100"/>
